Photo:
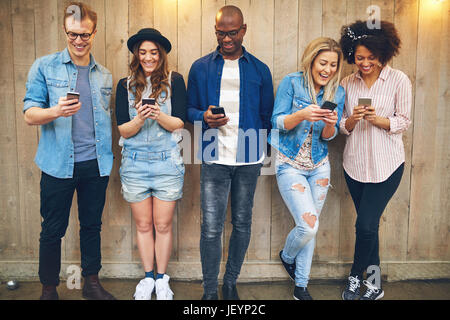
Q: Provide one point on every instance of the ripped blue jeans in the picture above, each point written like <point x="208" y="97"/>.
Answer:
<point x="304" y="193"/>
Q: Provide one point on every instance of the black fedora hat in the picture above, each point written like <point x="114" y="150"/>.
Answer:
<point x="149" y="34"/>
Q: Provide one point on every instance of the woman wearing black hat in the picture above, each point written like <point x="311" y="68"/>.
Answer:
<point x="152" y="170"/>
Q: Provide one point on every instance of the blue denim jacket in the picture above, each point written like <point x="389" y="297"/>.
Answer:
<point x="293" y="95"/>
<point x="255" y="109"/>
<point x="50" y="78"/>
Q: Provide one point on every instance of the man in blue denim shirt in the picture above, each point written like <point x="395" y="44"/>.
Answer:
<point x="232" y="146"/>
<point x="74" y="151"/>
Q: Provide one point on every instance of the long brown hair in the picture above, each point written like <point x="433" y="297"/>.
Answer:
<point x="159" y="78"/>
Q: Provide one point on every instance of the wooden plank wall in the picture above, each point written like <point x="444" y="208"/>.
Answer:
<point x="414" y="230"/>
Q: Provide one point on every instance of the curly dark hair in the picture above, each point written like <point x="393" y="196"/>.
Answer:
<point x="384" y="43"/>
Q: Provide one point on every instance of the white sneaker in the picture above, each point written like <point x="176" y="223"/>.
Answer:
<point x="144" y="289"/>
<point x="163" y="291"/>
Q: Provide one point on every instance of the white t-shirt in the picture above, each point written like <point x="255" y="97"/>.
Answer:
<point x="229" y="100"/>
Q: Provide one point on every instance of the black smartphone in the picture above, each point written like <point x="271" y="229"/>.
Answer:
<point x="149" y="101"/>
<point x="329" y="105"/>
<point x="365" y="102"/>
<point x="73" y="95"/>
<point x="218" y="110"/>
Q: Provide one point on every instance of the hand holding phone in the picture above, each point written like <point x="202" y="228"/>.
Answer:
<point x="213" y="117"/>
<point x="69" y="105"/>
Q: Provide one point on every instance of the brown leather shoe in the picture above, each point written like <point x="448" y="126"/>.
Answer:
<point x="49" y="293"/>
<point x="93" y="290"/>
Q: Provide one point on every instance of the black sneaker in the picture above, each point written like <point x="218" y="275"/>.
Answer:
<point x="301" y="293"/>
<point x="351" y="291"/>
<point x="372" y="292"/>
<point x="289" y="267"/>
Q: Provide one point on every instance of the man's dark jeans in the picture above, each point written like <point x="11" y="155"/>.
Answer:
<point x="216" y="183"/>
<point x="56" y="200"/>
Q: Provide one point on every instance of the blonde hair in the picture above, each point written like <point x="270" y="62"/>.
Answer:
<point x="311" y="52"/>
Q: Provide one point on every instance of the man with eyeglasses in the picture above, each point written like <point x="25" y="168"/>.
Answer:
<point x="232" y="145"/>
<point x="74" y="151"/>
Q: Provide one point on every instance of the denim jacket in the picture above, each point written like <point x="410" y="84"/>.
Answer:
<point x="293" y="95"/>
<point x="50" y="78"/>
<point x="255" y="103"/>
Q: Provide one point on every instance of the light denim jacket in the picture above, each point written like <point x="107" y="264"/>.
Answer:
<point x="50" y="78"/>
<point x="293" y="95"/>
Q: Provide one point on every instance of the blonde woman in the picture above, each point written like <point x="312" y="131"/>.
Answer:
<point x="152" y="170"/>
<point x="302" y="166"/>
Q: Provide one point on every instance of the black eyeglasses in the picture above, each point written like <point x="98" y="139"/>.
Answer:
<point x="83" y="36"/>
<point x="231" y="34"/>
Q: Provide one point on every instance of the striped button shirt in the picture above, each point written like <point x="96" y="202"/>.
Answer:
<point x="371" y="153"/>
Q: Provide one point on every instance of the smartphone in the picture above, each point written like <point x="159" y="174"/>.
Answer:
<point x="149" y="101"/>
<point x="218" y="110"/>
<point x="329" y="105"/>
<point x="364" y="102"/>
<point x="73" y="95"/>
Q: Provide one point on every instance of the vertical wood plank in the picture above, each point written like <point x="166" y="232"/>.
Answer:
<point x="260" y="25"/>
<point x="386" y="9"/>
<point x="310" y="27"/>
<point x="189" y="23"/>
<point x="286" y="36"/>
<point x="394" y="222"/>
<point x="117" y="221"/>
<point x="334" y="17"/>
<point x="46" y="26"/>
<point x="10" y="238"/>
<point x="165" y="20"/>
<point x="427" y="165"/>
<point x="22" y="13"/>
<point x="440" y="248"/>
<point x="140" y="15"/>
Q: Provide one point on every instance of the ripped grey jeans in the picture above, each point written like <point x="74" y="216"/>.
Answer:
<point x="304" y="193"/>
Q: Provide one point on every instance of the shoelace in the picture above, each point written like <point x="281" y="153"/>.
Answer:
<point x="371" y="289"/>
<point x="354" y="283"/>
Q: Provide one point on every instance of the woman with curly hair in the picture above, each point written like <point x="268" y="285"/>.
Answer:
<point x="376" y="113"/>
<point x="152" y="170"/>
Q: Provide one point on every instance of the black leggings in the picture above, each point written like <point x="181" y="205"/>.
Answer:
<point x="370" y="200"/>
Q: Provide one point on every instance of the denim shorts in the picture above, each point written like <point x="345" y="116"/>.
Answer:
<point x="152" y="174"/>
